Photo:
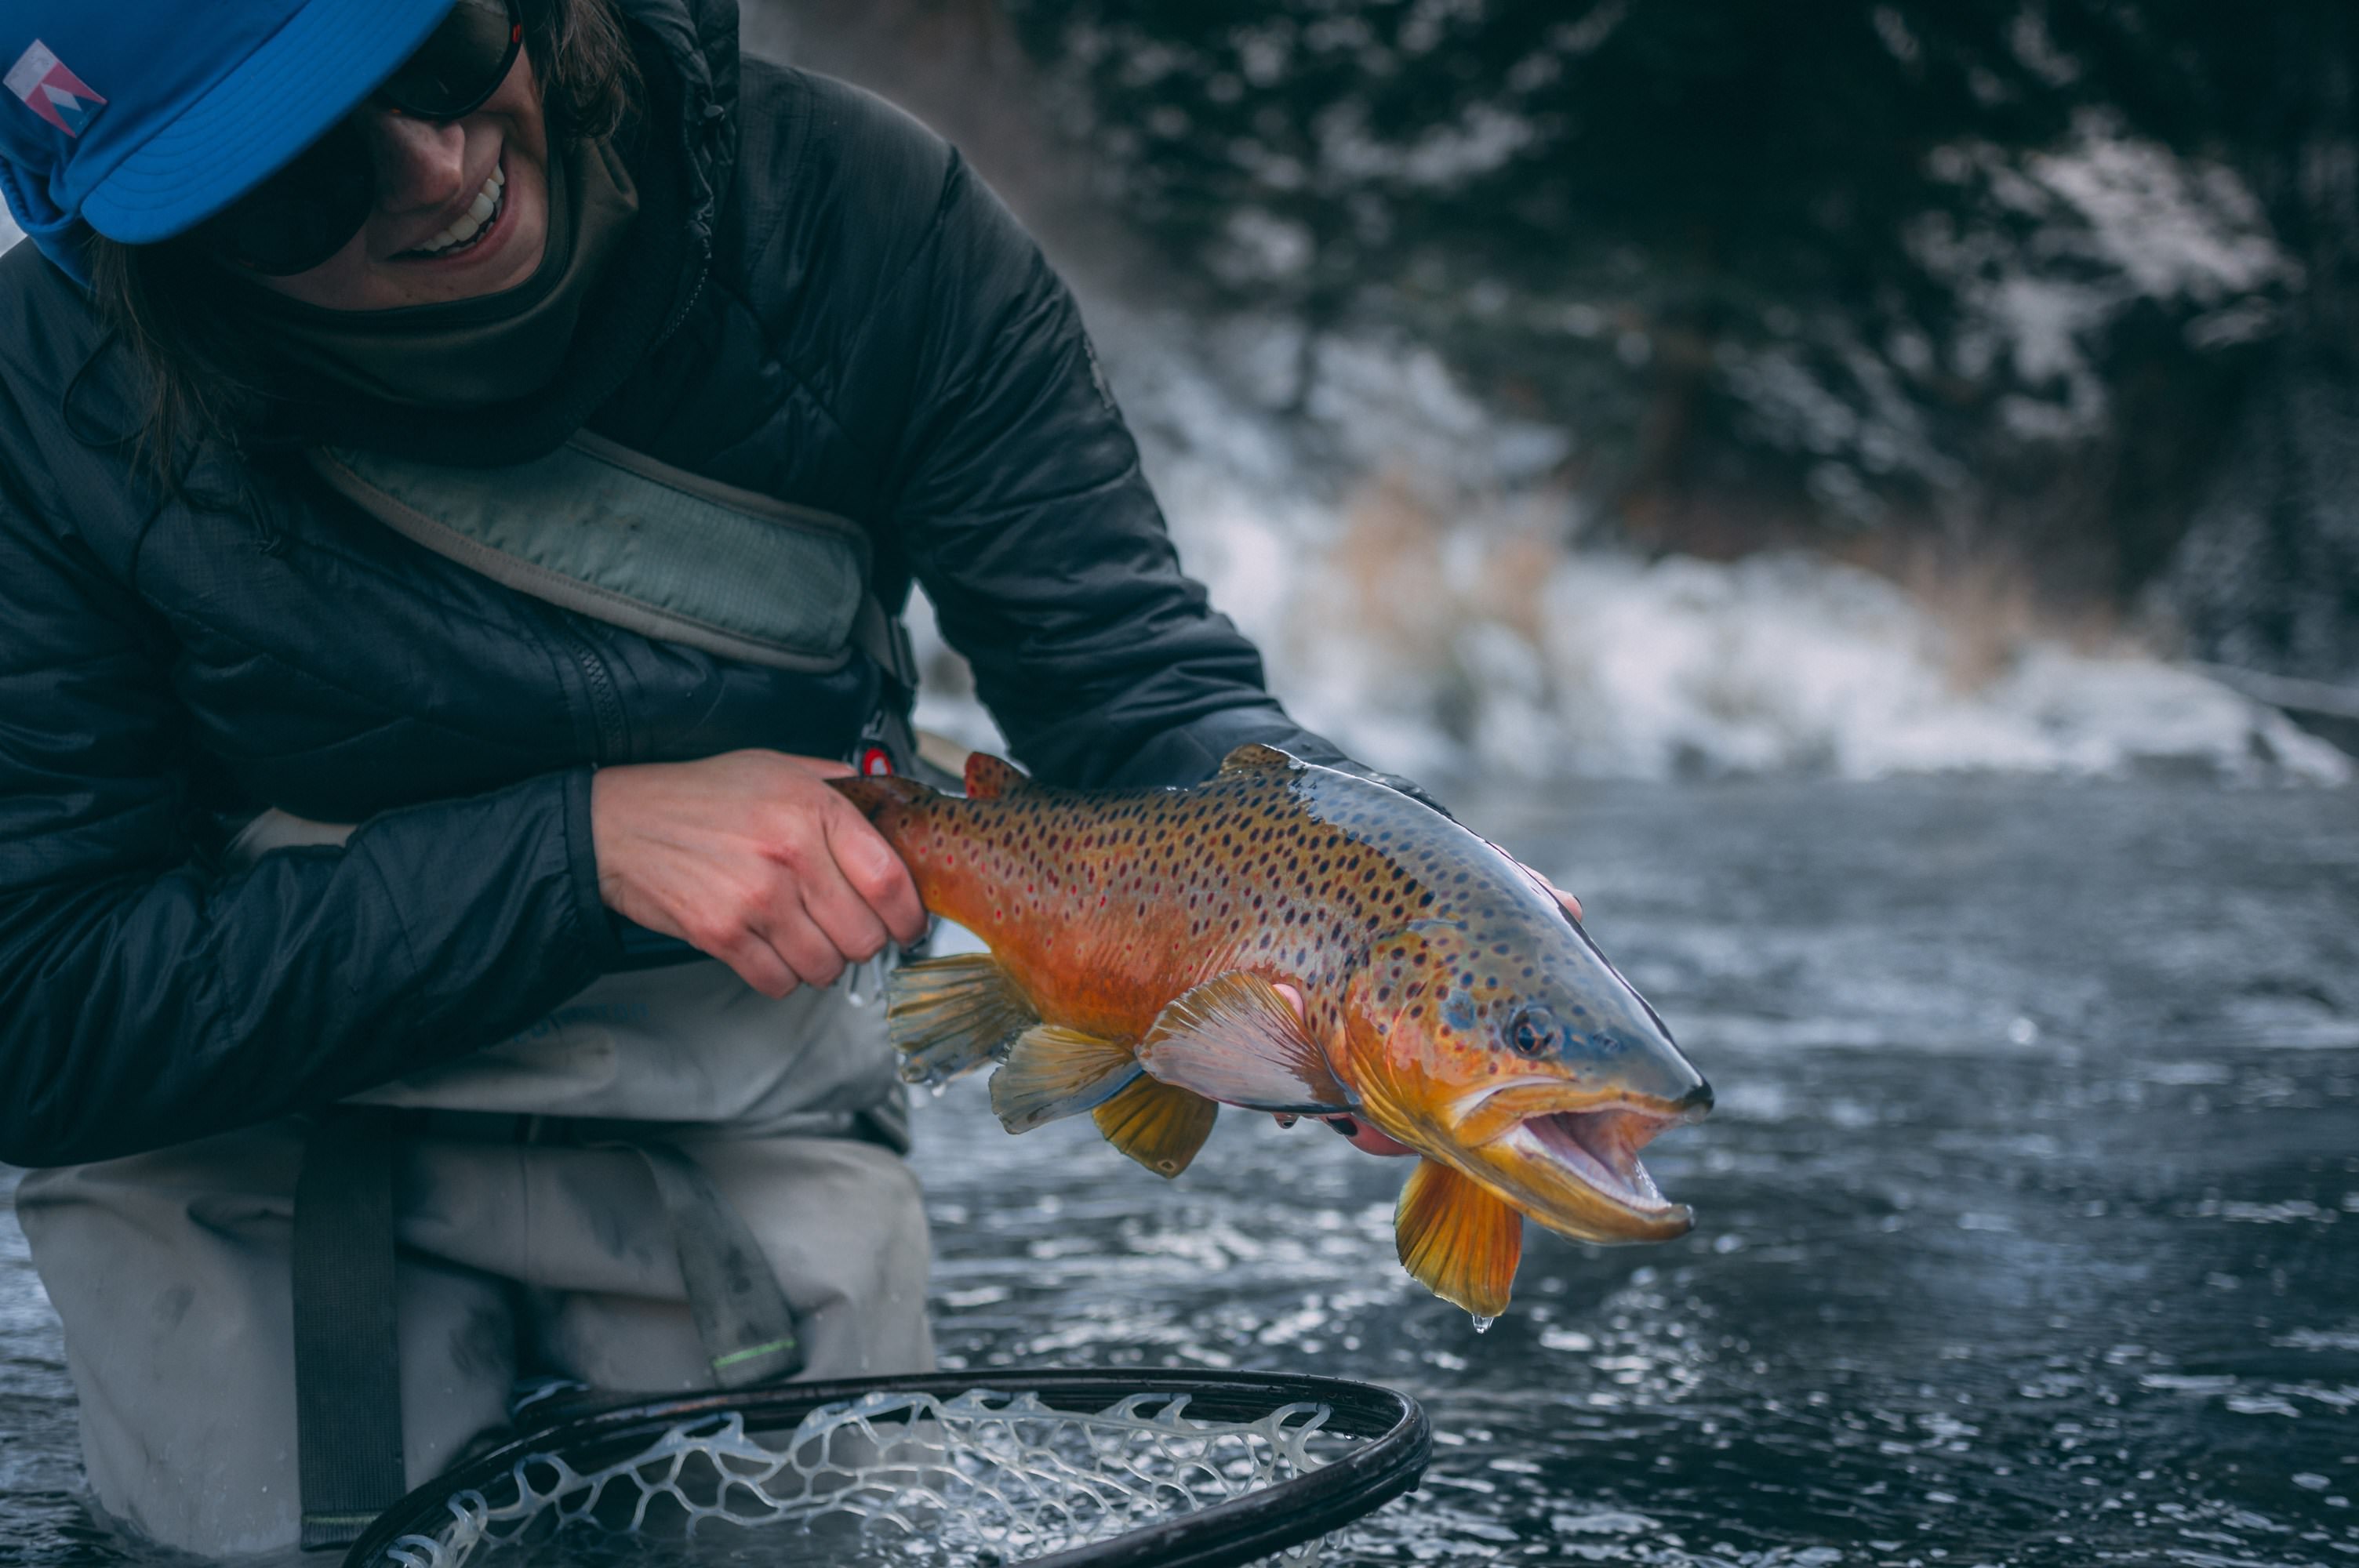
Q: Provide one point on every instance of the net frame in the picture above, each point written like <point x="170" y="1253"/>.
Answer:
<point x="1394" y="1444"/>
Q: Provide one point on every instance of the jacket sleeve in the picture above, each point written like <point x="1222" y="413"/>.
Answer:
<point x="1024" y="513"/>
<point x="146" y="1000"/>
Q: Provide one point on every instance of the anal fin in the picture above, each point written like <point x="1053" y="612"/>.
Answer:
<point x="1458" y="1239"/>
<point x="1052" y="1072"/>
<point x="1234" y="1038"/>
<point x="1159" y="1126"/>
<point x="947" y="1016"/>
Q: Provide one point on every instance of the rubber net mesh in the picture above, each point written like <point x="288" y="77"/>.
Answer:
<point x="981" y="1479"/>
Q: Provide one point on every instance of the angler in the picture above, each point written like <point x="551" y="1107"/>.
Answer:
<point x="460" y="465"/>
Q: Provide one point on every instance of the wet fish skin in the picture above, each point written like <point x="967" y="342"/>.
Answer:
<point x="1447" y="999"/>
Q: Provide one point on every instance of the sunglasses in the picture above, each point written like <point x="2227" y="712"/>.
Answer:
<point x="308" y="210"/>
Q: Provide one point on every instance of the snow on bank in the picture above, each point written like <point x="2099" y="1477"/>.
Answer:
<point x="1438" y="639"/>
<point x="1776" y="663"/>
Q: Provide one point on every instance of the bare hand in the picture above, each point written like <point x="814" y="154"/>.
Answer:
<point x="751" y="857"/>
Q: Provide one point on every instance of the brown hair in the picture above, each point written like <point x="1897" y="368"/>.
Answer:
<point x="200" y="379"/>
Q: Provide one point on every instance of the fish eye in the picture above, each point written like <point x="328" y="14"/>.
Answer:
<point x="1532" y="1032"/>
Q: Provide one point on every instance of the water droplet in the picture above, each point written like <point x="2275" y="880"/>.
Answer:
<point x="1483" y="1325"/>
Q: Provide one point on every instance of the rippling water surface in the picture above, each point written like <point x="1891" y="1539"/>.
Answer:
<point x="2030" y="1217"/>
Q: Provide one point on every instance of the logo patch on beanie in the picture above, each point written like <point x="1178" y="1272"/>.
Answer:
<point x="53" y="92"/>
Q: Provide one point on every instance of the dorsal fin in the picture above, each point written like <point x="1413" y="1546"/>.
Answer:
<point x="988" y="778"/>
<point x="1254" y="754"/>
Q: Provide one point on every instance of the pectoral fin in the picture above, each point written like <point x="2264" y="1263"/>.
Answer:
<point x="1052" y="1072"/>
<point x="1234" y="1038"/>
<point x="947" y="1016"/>
<point x="1157" y="1125"/>
<point x="1457" y="1239"/>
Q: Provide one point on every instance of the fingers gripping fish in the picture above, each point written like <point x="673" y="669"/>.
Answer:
<point x="1149" y="949"/>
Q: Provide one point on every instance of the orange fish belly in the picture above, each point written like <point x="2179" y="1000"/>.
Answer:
<point x="1099" y="919"/>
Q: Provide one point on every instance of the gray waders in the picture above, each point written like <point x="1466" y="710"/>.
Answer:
<point x="680" y="1159"/>
<point x="347" y="1342"/>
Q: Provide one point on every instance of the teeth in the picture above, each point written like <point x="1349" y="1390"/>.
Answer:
<point x="479" y="212"/>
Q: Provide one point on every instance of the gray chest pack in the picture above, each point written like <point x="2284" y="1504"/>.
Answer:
<point x="610" y="534"/>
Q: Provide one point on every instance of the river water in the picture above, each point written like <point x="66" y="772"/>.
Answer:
<point x="2030" y="1215"/>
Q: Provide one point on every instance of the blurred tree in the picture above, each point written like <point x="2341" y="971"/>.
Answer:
<point x="1970" y="266"/>
<point x="2269" y="576"/>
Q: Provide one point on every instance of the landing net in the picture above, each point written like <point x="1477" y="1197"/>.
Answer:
<point x="968" y="1480"/>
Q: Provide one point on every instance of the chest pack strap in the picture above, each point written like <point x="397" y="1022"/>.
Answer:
<point x="613" y="533"/>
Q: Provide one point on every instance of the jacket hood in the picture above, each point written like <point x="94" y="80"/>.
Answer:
<point x="697" y="40"/>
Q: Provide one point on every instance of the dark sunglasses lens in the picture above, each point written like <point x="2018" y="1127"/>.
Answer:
<point x="461" y="64"/>
<point x="304" y="213"/>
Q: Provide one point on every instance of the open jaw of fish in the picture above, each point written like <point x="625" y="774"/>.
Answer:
<point x="1571" y="1161"/>
<point x="1561" y="1156"/>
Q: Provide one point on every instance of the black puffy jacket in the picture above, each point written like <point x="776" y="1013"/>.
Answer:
<point x="839" y="315"/>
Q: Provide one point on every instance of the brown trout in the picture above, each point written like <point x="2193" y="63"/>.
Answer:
<point x="1292" y="939"/>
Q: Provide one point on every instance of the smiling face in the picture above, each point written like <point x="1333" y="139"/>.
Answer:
<point x="462" y="207"/>
<point x="1508" y="1048"/>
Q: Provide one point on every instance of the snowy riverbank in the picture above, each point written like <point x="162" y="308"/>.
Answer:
<point x="1432" y="619"/>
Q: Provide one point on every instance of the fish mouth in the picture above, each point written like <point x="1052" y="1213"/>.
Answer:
<point x="1602" y="1148"/>
<point x="1577" y="1169"/>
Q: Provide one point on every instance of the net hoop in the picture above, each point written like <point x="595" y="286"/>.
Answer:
<point x="1395" y="1444"/>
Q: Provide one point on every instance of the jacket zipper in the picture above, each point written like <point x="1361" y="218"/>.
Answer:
<point x="605" y="701"/>
<point x="687" y="304"/>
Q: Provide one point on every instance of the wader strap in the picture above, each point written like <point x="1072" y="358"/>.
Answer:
<point x="881" y="634"/>
<point x="347" y="1349"/>
<point x="740" y="1314"/>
